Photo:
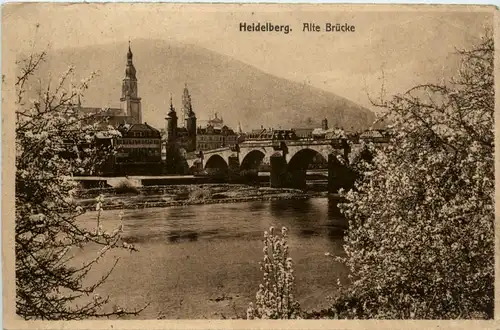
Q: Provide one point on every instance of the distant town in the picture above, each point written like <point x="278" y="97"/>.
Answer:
<point x="183" y="147"/>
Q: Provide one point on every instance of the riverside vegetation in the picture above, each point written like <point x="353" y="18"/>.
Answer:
<point x="420" y="242"/>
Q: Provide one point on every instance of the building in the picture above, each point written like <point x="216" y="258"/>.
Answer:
<point x="180" y="140"/>
<point x="138" y="150"/>
<point x="183" y="137"/>
<point x="325" y="132"/>
<point x="375" y="135"/>
<point x="211" y="137"/>
<point x="320" y="133"/>
<point x="304" y="133"/>
<point x="215" y="121"/>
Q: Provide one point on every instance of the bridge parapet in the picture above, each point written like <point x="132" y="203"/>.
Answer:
<point x="214" y="151"/>
<point x="376" y="140"/>
<point x="337" y="143"/>
<point x="255" y="144"/>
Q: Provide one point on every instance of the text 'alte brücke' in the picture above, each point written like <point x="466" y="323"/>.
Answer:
<point x="329" y="27"/>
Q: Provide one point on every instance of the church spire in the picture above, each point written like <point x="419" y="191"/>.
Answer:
<point x="187" y="107"/>
<point x="129" y="54"/>
<point x="189" y="117"/>
<point x="171" y="123"/>
<point x="172" y="112"/>
<point x="130" y="70"/>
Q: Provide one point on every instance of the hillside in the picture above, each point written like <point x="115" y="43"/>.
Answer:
<point x="239" y="92"/>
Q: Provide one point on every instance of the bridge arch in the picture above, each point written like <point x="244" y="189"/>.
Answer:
<point x="293" y="150"/>
<point x="266" y="150"/>
<point x="250" y="165"/>
<point x="215" y="164"/>
<point x="252" y="160"/>
<point x="300" y="162"/>
<point x="304" y="157"/>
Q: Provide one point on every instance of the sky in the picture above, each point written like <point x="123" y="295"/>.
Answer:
<point x="392" y="48"/>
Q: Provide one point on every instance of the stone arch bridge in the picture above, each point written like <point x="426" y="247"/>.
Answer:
<point x="287" y="161"/>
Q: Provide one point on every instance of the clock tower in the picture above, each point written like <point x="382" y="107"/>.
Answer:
<point x="130" y="102"/>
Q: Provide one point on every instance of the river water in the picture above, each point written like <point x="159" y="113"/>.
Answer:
<point x="201" y="261"/>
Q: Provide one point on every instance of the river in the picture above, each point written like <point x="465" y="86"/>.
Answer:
<point x="201" y="261"/>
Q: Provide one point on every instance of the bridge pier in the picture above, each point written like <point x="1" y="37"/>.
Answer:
<point x="339" y="176"/>
<point x="333" y="180"/>
<point x="249" y="176"/>
<point x="233" y="169"/>
<point x="296" y="179"/>
<point x="278" y="177"/>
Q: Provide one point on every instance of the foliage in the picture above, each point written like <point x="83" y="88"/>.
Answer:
<point x="50" y="133"/>
<point x="420" y="242"/>
<point x="275" y="298"/>
<point x="126" y="187"/>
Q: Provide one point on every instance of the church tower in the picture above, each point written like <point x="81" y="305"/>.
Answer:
<point x="171" y="124"/>
<point x="189" y="114"/>
<point x="131" y="103"/>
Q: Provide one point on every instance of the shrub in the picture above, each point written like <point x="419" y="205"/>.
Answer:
<point x="275" y="297"/>
<point x="126" y="187"/>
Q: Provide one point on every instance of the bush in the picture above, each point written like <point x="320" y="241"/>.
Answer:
<point x="275" y="298"/>
<point x="420" y="242"/>
<point x="126" y="187"/>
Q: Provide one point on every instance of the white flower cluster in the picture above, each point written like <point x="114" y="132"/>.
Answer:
<point x="275" y="298"/>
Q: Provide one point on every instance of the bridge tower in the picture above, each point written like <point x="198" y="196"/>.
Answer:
<point x="171" y="124"/>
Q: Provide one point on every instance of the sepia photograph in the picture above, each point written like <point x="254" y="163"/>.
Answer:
<point x="247" y="162"/>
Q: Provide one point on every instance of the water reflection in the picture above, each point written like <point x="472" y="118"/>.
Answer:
<point x="255" y="207"/>
<point x="333" y="208"/>
<point x="178" y="236"/>
<point x="302" y="217"/>
<point x="290" y="207"/>
<point x="309" y="218"/>
<point x="185" y="252"/>
<point x="336" y="229"/>
<point x="316" y="217"/>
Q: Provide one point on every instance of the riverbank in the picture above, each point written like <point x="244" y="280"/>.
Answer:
<point x="130" y="197"/>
